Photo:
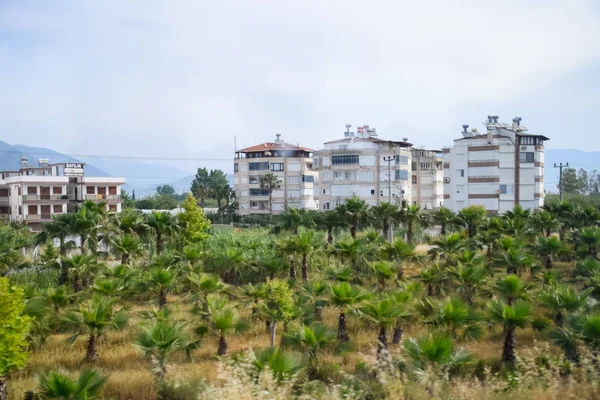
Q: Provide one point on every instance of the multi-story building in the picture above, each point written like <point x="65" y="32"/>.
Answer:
<point x="427" y="178"/>
<point x="363" y="165"/>
<point x="34" y="194"/>
<point x="496" y="170"/>
<point x="292" y="164"/>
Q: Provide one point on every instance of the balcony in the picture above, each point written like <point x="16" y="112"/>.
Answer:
<point x="103" y="197"/>
<point x="38" y="217"/>
<point x="37" y="197"/>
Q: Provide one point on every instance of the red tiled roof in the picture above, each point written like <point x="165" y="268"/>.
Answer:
<point x="269" y="146"/>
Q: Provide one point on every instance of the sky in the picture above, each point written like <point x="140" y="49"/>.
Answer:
<point x="182" y="78"/>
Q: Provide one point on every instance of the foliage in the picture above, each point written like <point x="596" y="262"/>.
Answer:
<point x="194" y="223"/>
<point x="13" y="328"/>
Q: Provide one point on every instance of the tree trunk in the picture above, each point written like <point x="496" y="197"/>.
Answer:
<point x="202" y="200"/>
<point x="386" y="228"/>
<point x="273" y="332"/>
<point x="398" y="332"/>
<point x="409" y="233"/>
<point x="508" y="350"/>
<point x="222" y="350"/>
<point x="159" y="244"/>
<point x="558" y="319"/>
<point x="429" y="290"/>
<point x="124" y="258"/>
<point x="329" y="235"/>
<point x="342" y="328"/>
<point x="82" y="238"/>
<point x="382" y="344"/>
<point x="318" y="313"/>
<point x="63" y="249"/>
<point x="3" y="388"/>
<point x="400" y="274"/>
<point x="91" y="354"/>
<point x="268" y="325"/>
<point x="548" y="262"/>
<point x="443" y="230"/>
<point x="162" y="298"/>
<point x="547" y="232"/>
<point x="76" y="283"/>
<point x="292" y="270"/>
<point x="353" y="230"/>
<point x="270" y="202"/>
<point x="304" y="267"/>
<point x="64" y="275"/>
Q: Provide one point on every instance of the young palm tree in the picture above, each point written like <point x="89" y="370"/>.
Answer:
<point x="509" y="288"/>
<point x="129" y="246"/>
<point x="399" y="252"/>
<point x="403" y="298"/>
<point x="562" y="300"/>
<point x="93" y="318"/>
<point x="283" y="365"/>
<point x="305" y="244"/>
<point x="453" y="316"/>
<point x="444" y="217"/>
<point x="589" y="238"/>
<point x="356" y="212"/>
<point x="311" y="341"/>
<point x="60" y="228"/>
<point x="81" y="268"/>
<point x="133" y="222"/>
<point x="55" y="385"/>
<point x="291" y="219"/>
<point x="270" y="182"/>
<point x="543" y="221"/>
<point x="223" y="319"/>
<point x="412" y="218"/>
<point x="471" y="217"/>
<point x="162" y="224"/>
<point x="356" y="252"/>
<point x="110" y="287"/>
<point x="85" y="224"/>
<point x="549" y="247"/>
<point x="316" y="292"/>
<point x="433" y="278"/>
<point x="161" y="280"/>
<point x="58" y="297"/>
<point x="467" y="280"/>
<point x="228" y="263"/>
<point x="159" y="340"/>
<point x="345" y="297"/>
<point x="447" y="248"/>
<point x="384" y="271"/>
<point x="510" y="317"/>
<point x="384" y="215"/>
<point x="384" y="313"/>
<point x="514" y="259"/>
<point x="331" y="221"/>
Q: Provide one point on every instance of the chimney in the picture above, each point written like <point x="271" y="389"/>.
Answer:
<point x="490" y="119"/>
<point x="278" y="140"/>
<point x="495" y="117"/>
<point x="465" y="128"/>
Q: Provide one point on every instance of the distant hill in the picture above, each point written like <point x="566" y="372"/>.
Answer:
<point x="181" y="185"/>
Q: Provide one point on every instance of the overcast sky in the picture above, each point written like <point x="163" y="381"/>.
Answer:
<point x="182" y="77"/>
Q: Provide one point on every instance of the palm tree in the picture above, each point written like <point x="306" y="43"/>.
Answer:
<point x="403" y="299"/>
<point x="444" y="217"/>
<point x="467" y="280"/>
<point x="60" y="228"/>
<point x="384" y="313"/>
<point x="160" y="281"/>
<point x="412" y="218"/>
<point x="563" y="300"/>
<point x="331" y="221"/>
<point x="345" y="297"/>
<point x="81" y="267"/>
<point x="283" y="365"/>
<point x="159" y="340"/>
<point x="447" y="248"/>
<point x="549" y="247"/>
<point x="452" y="315"/>
<point x="589" y="238"/>
<point x="58" y="297"/>
<point x="228" y="263"/>
<point x="312" y="340"/>
<point x="509" y="288"/>
<point x="110" y="287"/>
<point x="400" y="252"/>
<point x="355" y="251"/>
<point x="55" y="385"/>
<point x="355" y="211"/>
<point x="543" y="221"/>
<point x="315" y="292"/>
<point x="93" y="318"/>
<point x="471" y="217"/>
<point x="432" y="277"/>
<point x="162" y="224"/>
<point x="514" y="259"/>
<point x="383" y="215"/>
<point x="132" y="221"/>
<point x="291" y="219"/>
<point x="384" y="271"/>
<point x="128" y="245"/>
<point x="306" y="243"/>
<point x="270" y="182"/>
<point x="510" y="317"/>
<point x="223" y="319"/>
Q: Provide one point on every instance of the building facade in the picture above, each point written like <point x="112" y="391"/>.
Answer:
<point x="496" y="170"/>
<point x="363" y="165"/>
<point x="427" y="178"/>
<point x="292" y="164"/>
<point x="35" y="194"/>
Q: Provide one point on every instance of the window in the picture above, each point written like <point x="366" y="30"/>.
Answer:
<point x="414" y="179"/>
<point x="308" y="178"/>
<point x="253" y="180"/>
<point x="401" y="175"/>
<point x="112" y="207"/>
<point x="527" y="140"/>
<point x="401" y="159"/>
<point x="413" y="166"/>
<point x="57" y="190"/>
<point x="293" y="180"/>
<point x="325" y="176"/>
<point x="338" y="176"/>
<point x="258" y="166"/>
<point x="32" y="210"/>
<point x="276" y="166"/>
<point x="112" y="190"/>
<point x="506" y="189"/>
<point x="527" y="157"/>
<point x="3" y="192"/>
<point x="253" y="204"/>
<point x="316" y="162"/>
<point x="462" y="173"/>
<point x="325" y="206"/>
<point x="345" y="159"/>
<point x="31" y="190"/>
<point x="337" y="203"/>
<point x="101" y="190"/>
<point x="90" y="190"/>
<point x="366" y="176"/>
<point x="372" y="192"/>
<point x="235" y="167"/>
<point x="259" y="192"/>
<point x="57" y="209"/>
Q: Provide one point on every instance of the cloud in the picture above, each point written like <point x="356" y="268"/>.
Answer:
<point x="184" y="77"/>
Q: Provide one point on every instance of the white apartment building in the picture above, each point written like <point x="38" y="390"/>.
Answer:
<point x="496" y="170"/>
<point x="427" y="178"/>
<point x="292" y="164"/>
<point x="361" y="164"/>
<point x="35" y="194"/>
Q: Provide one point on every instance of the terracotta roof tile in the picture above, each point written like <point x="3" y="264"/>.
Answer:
<point x="269" y="146"/>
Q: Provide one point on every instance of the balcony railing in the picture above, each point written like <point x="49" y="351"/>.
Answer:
<point x="38" y="217"/>
<point x="35" y="197"/>
<point x="102" y="197"/>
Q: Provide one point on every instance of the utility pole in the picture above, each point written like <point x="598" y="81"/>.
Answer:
<point x="389" y="159"/>
<point x="560" y="186"/>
